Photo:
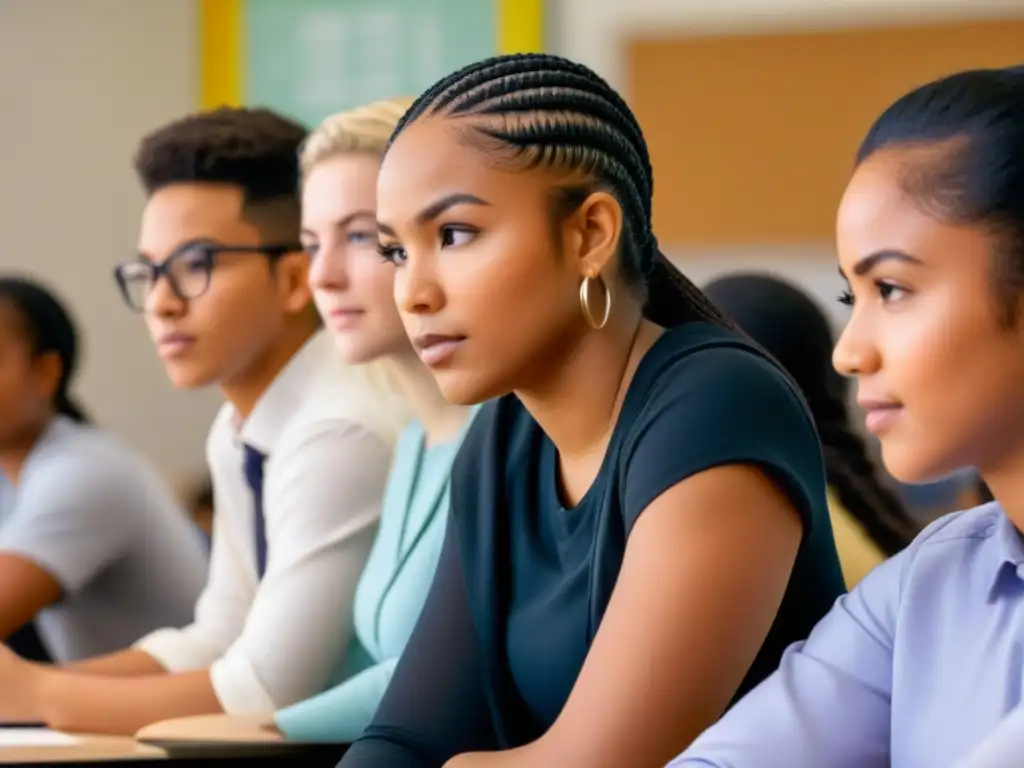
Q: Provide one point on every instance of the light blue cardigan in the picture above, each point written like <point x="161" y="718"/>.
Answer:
<point x="390" y="595"/>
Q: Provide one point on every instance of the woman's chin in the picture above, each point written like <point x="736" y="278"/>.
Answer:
<point x="913" y="467"/>
<point x="462" y="388"/>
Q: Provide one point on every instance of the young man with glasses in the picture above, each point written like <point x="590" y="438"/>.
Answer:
<point x="298" y="455"/>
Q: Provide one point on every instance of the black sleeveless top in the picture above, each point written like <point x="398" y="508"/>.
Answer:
<point x="523" y="584"/>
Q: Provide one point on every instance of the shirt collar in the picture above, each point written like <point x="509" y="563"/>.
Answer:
<point x="1010" y="546"/>
<point x="285" y="395"/>
<point x="55" y="430"/>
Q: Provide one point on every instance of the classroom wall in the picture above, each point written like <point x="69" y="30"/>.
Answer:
<point x="80" y="82"/>
<point x="597" y="33"/>
<point x="593" y="31"/>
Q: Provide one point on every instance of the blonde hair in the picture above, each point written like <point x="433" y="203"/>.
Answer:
<point x="363" y="130"/>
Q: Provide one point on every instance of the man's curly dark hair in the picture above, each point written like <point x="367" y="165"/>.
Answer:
<point x="253" y="149"/>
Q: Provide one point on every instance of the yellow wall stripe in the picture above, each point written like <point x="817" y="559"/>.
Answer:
<point x="220" y="53"/>
<point x="520" y="26"/>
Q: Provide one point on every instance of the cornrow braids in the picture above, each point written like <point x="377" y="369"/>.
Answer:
<point x="851" y="472"/>
<point x="539" y="110"/>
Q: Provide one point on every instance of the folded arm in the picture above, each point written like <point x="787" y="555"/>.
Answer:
<point x="25" y="589"/>
<point x="130" y="662"/>
<point x="695" y="598"/>
<point x="89" y="703"/>
<point x="829" y="701"/>
<point x="69" y="523"/>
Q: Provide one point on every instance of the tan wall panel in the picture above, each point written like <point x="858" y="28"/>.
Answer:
<point x="752" y="137"/>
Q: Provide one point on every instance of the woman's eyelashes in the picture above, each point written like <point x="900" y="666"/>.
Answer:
<point x="890" y="291"/>
<point x="449" y="236"/>
<point x="887" y="290"/>
<point x="455" y="235"/>
<point x="392" y="254"/>
<point x="311" y="249"/>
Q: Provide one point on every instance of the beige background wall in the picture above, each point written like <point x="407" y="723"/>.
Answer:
<point x="753" y="136"/>
<point x="80" y="82"/>
<point x="599" y="33"/>
<point x="594" y="31"/>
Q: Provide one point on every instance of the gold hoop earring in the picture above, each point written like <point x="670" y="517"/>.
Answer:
<point x="585" y="303"/>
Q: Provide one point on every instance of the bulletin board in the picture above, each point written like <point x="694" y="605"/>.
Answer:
<point x="752" y="137"/>
<point x="310" y="58"/>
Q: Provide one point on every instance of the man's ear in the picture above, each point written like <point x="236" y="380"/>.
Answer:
<point x="293" y="282"/>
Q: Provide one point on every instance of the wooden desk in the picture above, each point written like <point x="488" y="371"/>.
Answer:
<point x="90" y="750"/>
<point x="123" y="751"/>
<point x="230" y="754"/>
<point x="234" y="739"/>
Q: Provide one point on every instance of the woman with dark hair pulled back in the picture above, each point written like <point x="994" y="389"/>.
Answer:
<point x="638" y="523"/>
<point x="94" y="550"/>
<point x="921" y="662"/>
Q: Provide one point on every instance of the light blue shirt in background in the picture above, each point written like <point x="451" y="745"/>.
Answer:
<point x="913" y="669"/>
<point x="102" y="522"/>
<point x="391" y="591"/>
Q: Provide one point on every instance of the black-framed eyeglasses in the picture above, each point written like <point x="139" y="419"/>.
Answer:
<point x="187" y="269"/>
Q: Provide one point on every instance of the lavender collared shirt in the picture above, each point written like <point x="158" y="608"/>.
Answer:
<point x="913" y="669"/>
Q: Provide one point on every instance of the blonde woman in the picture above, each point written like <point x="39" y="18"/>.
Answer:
<point x="353" y="289"/>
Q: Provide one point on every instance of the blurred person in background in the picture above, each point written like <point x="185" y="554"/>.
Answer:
<point x="298" y="454"/>
<point x="869" y="522"/>
<point x="94" y="550"/>
<point x="200" y="505"/>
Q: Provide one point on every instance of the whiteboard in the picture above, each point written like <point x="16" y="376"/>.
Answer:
<point x="312" y="58"/>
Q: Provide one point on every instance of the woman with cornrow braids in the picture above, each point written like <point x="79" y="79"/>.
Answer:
<point x="638" y="516"/>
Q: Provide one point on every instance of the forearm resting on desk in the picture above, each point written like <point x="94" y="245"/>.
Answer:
<point x="89" y="703"/>
<point x="128" y="663"/>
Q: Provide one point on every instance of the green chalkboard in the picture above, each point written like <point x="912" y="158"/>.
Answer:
<point x="310" y="58"/>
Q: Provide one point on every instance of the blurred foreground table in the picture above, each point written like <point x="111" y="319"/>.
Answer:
<point x="235" y="739"/>
<point x="81" y="748"/>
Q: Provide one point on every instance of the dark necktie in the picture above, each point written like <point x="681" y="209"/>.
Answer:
<point x="253" y="466"/>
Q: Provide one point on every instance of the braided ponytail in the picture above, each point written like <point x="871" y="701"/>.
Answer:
<point x="795" y="331"/>
<point x="851" y="473"/>
<point x="538" y="110"/>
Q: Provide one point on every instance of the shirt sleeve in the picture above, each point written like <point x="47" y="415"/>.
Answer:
<point x="722" y="406"/>
<point x="73" y="518"/>
<point x="829" y="701"/>
<point x="436" y="706"/>
<point x="1002" y="748"/>
<point x="220" y="611"/>
<point x="322" y="500"/>
<point x="340" y="715"/>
